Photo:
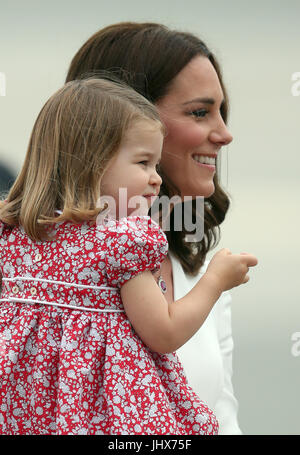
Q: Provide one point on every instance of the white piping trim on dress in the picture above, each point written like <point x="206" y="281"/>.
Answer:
<point x="62" y="305"/>
<point x="42" y="280"/>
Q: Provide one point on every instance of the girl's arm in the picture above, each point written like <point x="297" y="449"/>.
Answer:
<point x="165" y="327"/>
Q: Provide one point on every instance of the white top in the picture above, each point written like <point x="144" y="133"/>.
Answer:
<point x="207" y="356"/>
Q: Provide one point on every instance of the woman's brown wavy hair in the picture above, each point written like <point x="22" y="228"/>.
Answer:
<point x="148" y="56"/>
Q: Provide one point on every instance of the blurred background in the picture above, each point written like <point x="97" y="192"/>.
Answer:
<point x="257" y="44"/>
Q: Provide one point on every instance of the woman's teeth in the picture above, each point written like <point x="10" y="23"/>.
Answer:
<point x="204" y="159"/>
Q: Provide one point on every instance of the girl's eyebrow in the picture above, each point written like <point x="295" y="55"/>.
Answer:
<point x="145" y="153"/>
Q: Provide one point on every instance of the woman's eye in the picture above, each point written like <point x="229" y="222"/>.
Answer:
<point x="143" y="162"/>
<point x="199" y="113"/>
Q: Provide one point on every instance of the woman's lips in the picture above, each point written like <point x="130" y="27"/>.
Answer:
<point x="210" y="165"/>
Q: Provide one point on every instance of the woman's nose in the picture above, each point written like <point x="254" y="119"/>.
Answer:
<point x="221" y="134"/>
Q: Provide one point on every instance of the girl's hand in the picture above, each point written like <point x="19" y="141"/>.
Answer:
<point x="229" y="270"/>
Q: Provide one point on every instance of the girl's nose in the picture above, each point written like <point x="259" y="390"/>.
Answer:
<point x="155" y="178"/>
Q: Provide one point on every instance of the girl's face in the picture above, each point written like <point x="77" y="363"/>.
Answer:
<point x="195" y="128"/>
<point x="134" y="169"/>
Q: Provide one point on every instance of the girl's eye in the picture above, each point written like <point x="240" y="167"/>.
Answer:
<point x="145" y="163"/>
<point x="199" y="113"/>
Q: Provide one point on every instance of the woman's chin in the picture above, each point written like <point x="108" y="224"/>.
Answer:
<point x="204" y="191"/>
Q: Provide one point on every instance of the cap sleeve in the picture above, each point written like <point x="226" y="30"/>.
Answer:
<point x="134" y="244"/>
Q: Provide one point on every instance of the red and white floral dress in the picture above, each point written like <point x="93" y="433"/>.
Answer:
<point x="70" y="361"/>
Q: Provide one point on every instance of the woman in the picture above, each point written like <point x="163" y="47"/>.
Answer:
<point x="178" y="73"/>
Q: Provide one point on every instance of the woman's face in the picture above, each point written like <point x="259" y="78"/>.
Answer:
<point x="195" y="128"/>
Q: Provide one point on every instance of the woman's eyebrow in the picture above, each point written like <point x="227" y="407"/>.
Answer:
<point x="202" y="100"/>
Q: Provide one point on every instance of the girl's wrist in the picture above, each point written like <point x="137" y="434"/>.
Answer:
<point x="213" y="282"/>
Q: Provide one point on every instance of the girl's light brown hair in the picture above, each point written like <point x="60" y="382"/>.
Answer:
<point x="76" y="134"/>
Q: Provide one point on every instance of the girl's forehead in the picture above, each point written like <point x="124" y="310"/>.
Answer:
<point x="143" y="126"/>
<point x="142" y="135"/>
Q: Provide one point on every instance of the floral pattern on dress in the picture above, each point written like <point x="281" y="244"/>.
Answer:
<point x="85" y="371"/>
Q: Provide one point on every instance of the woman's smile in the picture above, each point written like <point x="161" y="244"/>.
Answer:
<point x="207" y="161"/>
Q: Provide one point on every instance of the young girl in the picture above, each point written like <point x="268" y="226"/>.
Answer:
<point x="86" y="335"/>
